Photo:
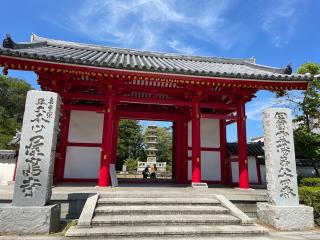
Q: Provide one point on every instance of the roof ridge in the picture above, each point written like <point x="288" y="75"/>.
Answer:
<point x="35" y="38"/>
<point x="265" y="67"/>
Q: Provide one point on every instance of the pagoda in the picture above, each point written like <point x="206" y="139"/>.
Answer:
<point x="152" y="144"/>
<point x="152" y="141"/>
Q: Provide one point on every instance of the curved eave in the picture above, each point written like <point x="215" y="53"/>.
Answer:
<point x="258" y="81"/>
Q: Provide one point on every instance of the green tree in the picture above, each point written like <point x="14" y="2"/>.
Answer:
<point x="307" y="140"/>
<point x="308" y="143"/>
<point x="13" y="93"/>
<point x="130" y="142"/>
<point x="164" y="153"/>
<point x="310" y="105"/>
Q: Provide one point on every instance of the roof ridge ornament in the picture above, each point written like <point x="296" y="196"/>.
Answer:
<point x="8" y="42"/>
<point x="288" y="69"/>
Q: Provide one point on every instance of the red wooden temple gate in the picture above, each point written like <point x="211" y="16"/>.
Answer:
<point x="124" y="83"/>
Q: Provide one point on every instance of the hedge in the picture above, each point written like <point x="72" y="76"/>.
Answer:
<point x="311" y="196"/>
<point x="311" y="182"/>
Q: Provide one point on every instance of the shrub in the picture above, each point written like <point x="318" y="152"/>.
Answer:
<point x="310" y="182"/>
<point x="311" y="196"/>
<point x="131" y="163"/>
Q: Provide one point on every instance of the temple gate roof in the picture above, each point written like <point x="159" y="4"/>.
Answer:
<point x="51" y="50"/>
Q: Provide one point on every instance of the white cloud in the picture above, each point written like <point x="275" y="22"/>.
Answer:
<point x="255" y="108"/>
<point x="156" y="24"/>
<point x="279" y="19"/>
<point x="181" y="48"/>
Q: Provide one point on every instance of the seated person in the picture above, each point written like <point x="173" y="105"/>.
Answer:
<point x="153" y="173"/>
<point x="145" y="172"/>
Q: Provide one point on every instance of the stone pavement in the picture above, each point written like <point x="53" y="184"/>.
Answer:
<point x="62" y="190"/>
<point x="304" y="235"/>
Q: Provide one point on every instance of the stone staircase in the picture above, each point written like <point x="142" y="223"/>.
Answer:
<point x="145" y="215"/>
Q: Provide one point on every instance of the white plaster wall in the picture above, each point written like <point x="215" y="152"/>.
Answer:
<point x="210" y="166"/>
<point x="235" y="171"/>
<point x="85" y="127"/>
<point x="210" y="133"/>
<point x="82" y="162"/>
<point x="252" y="169"/>
<point x="210" y="161"/>
<point x="6" y="170"/>
<point x="189" y="169"/>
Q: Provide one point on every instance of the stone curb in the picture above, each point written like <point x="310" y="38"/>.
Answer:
<point x="234" y="210"/>
<point x="88" y="211"/>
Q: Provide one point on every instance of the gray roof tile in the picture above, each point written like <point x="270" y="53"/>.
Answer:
<point x="92" y="55"/>
<point x="254" y="149"/>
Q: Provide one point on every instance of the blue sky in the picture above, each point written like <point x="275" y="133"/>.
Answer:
<point x="275" y="32"/>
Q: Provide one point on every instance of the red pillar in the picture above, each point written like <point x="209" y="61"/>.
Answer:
<point x="242" y="148"/>
<point x="196" y="153"/>
<point x="115" y="140"/>
<point x="104" y="175"/>
<point x="64" y="132"/>
<point x="184" y="150"/>
<point x="175" y="146"/>
<point x="223" y="151"/>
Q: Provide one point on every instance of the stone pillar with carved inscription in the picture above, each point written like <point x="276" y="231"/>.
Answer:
<point x="282" y="210"/>
<point x="30" y="212"/>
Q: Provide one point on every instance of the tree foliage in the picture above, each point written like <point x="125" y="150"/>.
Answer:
<point x="164" y="153"/>
<point x="130" y="142"/>
<point x="310" y="105"/>
<point x="13" y="93"/>
<point x="307" y="140"/>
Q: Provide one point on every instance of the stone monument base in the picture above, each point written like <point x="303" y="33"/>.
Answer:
<point x="286" y="217"/>
<point x="29" y="220"/>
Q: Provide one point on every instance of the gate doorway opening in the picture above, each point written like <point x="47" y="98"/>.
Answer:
<point x="144" y="152"/>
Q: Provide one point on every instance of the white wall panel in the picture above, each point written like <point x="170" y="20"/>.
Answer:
<point x="252" y="168"/>
<point x="6" y="170"/>
<point x="210" y="166"/>
<point x="82" y="162"/>
<point x="210" y="133"/>
<point x="85" y="127"/>
<point x="189" y="169"/>
<point x="189" y="134"/>
<point x="235" y="171"/>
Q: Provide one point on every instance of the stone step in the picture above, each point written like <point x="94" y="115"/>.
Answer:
<point x="165" y="194"/>
<point x="124" y="232"/>
<point x="157" y="201"/>
<point x="156" y="220"/>
<point x="159" y="209"/>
